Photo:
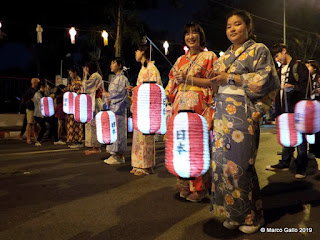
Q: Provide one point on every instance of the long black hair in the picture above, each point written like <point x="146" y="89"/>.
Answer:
<point x="145" y="48"/>
<point x="246" y="17"/>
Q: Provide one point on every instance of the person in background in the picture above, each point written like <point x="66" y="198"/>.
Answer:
<point x="313" y="67"/>
<point x="92" y="85"/>
<point x="41" y="120"/>
<point x="23" y="107"/>
<point x="143" y="146"/>
<point x="294" y="77"/>
<point x="186" y="96"/>
<point x="119" y="103"/>
<point x="246" y="83"/>
<point x="74" y="128"/>
<point x="59" y="114"/>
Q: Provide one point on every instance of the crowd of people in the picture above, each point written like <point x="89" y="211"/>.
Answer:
<point x="242" y="85"/>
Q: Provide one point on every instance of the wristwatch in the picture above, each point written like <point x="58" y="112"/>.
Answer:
<point x="230" y="79"/>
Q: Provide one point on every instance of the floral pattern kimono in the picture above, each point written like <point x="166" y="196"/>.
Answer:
<point x="119" y="104"/>
<point x="235" y="186"/>
<point x="143" y="146"/>
<point x="90" y="87"/>
<point x="74" y="128"/>
<point x="189" y="97"/>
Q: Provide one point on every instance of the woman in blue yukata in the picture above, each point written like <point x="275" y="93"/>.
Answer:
<point x="246" y="83"/>
<point x="119" y="102"/>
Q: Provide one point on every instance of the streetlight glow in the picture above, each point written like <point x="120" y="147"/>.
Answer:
<point x="105" y="37"/>
<point x="73" y="34"/>
<point x="166" y="47"/>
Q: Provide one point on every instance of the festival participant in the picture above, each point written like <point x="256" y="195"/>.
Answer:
<point x="246" y="83"/>
<point x="119" y="103"/>
<point x="74" y="128"/>
<point x="92" y="85"/>
<point x="143" y="146"/>
<point x="184" y="95"/>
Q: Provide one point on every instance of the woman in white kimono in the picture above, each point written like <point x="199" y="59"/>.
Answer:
<point x="94" y="87"/>
<point x="119" y="102"/>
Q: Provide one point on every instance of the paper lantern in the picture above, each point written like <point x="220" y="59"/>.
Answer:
<point x="69" y="102"/>
<point x="307" y="116"/>
<point x="39" y="30"/>
<point x="287" y="134"/>
<point x="129" y="124"/>
<point x="83" y="109"/>
<point x="311" y="138"/>
<point x="187" y="145"/>
<point x="47" y="106"/>
<point x="73" y="34"/>
<point x="149" y="108"/>
<point x="106" y="127"/>
<point x="105" y="37"/>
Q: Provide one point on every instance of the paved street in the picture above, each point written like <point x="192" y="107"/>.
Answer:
<point x="53" y="192"/>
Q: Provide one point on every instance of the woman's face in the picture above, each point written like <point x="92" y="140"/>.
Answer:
<point x="71" y="74"/>
<point x="311" y="68"/>
<point x="192" y="39"/>
<point x="114" y="67"/>
<point x="237" y="31"/>
<point x="139" y="55"/>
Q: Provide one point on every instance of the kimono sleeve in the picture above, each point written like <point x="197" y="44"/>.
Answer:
<point x="171" y="83"/>
<point x="262" y="84"/>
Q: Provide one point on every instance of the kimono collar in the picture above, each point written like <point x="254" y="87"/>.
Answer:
<point x="241" y="49"/>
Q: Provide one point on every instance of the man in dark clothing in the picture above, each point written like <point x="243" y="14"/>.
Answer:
<point x="26" y="103"/>
<point x="294" y="78"/>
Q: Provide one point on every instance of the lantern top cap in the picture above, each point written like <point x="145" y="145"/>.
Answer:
<point x="150" y="82"/>
<point x="192" y="111"/>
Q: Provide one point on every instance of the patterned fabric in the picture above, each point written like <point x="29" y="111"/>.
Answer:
<point x="191" y="97"/>
<point x="119" y="105"/>
<point x="90" y="87"/>
<point x="143" y="146"/>
<point x="235" y="186"/>
<point x="74" y="128"/>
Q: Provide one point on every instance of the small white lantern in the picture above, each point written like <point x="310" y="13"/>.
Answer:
<point x="73" y="34"/>
<point x="166" y="47"/>
<point x="69" y="102"/>
<point x="47" y="107"/>
<point x="107" y="127"/>
<point x="39" y="30"/>
<point x="105" y="37"/>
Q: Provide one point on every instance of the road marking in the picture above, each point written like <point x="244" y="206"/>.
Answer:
<point x="38" y="152"/>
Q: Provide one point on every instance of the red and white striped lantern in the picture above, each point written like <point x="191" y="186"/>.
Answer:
<point x="47" y="107"/>
<point x="307" y="116"/>
<point x="187" y="145"/>
<point x="287" y="134"/>
<point x="311" y="138"/>
<point x="83" y="109"/>
<point x="107" y="127"/>
<point x="149" y="109"/>
<point x="69" y="102"/>
<point x="129" y="124"/>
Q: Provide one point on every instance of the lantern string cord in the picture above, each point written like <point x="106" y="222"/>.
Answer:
<point x="197" y="64"/>
<point x="309" y="86"/>
<point x="155" y="46"/>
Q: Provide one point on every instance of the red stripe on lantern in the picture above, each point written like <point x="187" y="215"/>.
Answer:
<point x="105" y="123"/>
<point x="155" y="108"/>
<point x="46" y="106"/>
<point x="134" y="108"/>
<point x="196" y="149"/>
<point x="169" y="147"/>
<point x="292" y="129"/>
<point x="71" y="102"/>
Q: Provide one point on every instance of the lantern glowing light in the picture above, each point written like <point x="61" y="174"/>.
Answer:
<point x="39" y="30"/>
<point x="69" y="102"/>
<point x="287" y="134"/>
<point x="73" y="34"/>
<point x="186" y="49"/>
<point x="47" y="107"/>
<point x="307" y="116"/>
<point x="166" y="47"/>
<point x="83" y="110"/>
<point x="106" y="127"/>
<point x="105" y="37"/>
<point x="187" y="145"/>
<point x="149" y="108"/>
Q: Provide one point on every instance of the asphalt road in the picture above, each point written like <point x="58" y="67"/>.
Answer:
<point x="53" y="192"/>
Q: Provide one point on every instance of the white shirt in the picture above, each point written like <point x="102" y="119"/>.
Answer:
<point x="284" y="77"/>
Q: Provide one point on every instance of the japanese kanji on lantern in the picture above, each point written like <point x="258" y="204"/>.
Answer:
<point x="187" y="145"/>
<point x="106" y="127"/>
<point x="149" y="108"/>
<point x="69" y="102"/>
<point x="83" y="109"/>
<point x="287" y="134"/>
<point x="307" y="116"/>
<point x="47" y="107"/>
